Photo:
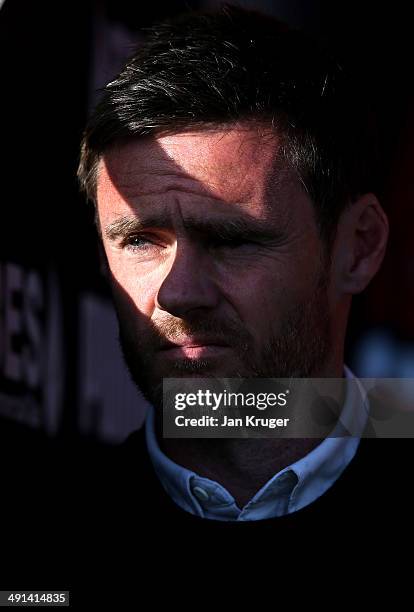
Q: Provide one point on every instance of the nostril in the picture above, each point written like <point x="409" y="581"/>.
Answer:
<point x="178" y="294"/>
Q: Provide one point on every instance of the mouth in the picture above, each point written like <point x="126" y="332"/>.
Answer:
<point x="194" y="349"/>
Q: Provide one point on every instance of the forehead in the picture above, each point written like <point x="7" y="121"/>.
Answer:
<point x="228" y="166"/>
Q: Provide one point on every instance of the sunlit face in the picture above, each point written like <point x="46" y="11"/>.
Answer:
<point x="215" y="260"/>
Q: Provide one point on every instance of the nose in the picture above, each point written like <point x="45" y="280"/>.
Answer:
<point x="188" y="284"/>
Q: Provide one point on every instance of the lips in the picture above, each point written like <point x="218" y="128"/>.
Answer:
<point x="193" y="342"/>
<point x="194" y="347"/>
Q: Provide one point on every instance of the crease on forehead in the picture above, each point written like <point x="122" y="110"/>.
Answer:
<point x="135" y="184"/>
<point x="130" y="172"/>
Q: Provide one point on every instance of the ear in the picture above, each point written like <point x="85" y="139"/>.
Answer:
<point x="360" y="244"/>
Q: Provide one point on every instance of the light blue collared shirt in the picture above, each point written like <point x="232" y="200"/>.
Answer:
<point x="291" y="489"/>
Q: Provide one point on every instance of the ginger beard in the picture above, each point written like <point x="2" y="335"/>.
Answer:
<point x="300" y="349"/>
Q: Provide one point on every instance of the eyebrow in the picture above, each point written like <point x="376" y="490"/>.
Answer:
<point x="224" y="228"/>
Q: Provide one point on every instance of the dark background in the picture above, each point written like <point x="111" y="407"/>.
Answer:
<point x="60" y="367"/>
<point x="61" y="375"/>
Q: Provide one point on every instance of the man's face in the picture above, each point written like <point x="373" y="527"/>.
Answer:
<point x="215" y="260"/>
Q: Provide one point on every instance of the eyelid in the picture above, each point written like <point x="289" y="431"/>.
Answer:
<point x="144" y="235"/>
<point x="234" y="240"/>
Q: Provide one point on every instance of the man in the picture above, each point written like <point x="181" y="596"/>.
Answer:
<point x="231" y="166"/>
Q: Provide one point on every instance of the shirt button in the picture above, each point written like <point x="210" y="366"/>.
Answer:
<point x="201" y="494"/>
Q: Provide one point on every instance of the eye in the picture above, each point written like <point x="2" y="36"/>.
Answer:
<point x="140" y="243"/>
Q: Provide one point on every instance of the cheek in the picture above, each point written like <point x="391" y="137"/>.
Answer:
<point x="264" y="300"/>
<point x="257" y="300"/>
<point x="133" y="291"/>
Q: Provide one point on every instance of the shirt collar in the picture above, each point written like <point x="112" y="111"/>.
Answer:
<point x="289" y="490"/>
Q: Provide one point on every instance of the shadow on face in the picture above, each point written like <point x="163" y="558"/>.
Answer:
<point x="214" y="259"/>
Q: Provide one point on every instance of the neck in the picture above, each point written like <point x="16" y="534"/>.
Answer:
<point x="242" y="466"/>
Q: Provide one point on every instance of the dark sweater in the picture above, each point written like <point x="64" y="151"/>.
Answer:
<point x="86" y="516"/>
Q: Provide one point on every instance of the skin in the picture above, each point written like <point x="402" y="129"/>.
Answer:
<point x="274" y="300"/>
